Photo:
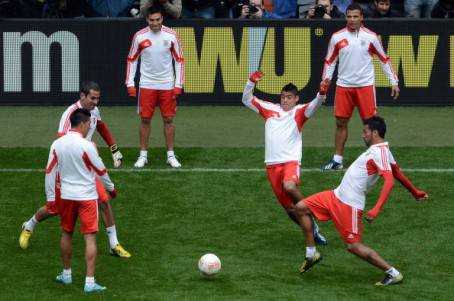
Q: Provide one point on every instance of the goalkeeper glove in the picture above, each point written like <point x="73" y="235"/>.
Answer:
<point x="132" y="91"/>
<point x="116" y="155"/>
<point x="324" y="87"/>
<point x="113" y="193"/>
<point x="421" y="195"/>
<point x="256" y="76"/>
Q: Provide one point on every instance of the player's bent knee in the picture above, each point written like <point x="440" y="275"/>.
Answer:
<point x="289" y="186"/>
<point x="145" y="121"/>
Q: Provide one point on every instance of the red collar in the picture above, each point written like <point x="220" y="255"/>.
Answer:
<point x="354" y="30"/>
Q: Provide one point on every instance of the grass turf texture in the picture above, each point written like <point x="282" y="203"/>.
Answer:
<point x="169" y="219"/>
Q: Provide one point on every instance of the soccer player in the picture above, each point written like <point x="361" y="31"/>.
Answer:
<point x="345" y="204"/>
<point x="89" y="98"/>
<point x="353" y="47"/>
<point x="157" y="46"/>
<point x="283" y="141"/>
<point x="76" y="163"/>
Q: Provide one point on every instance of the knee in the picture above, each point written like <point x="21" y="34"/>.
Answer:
<point x="341" y="123"/>
<point x="301" y="209"/>
<point x="145" y="121"/>
<point x="168" y="120"/>
<point x="289" y="186"/>
<point x="352" y="248"/>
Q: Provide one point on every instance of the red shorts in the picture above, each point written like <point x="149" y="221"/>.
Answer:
<point x="346" y="99"/>
<point x="87" y="211"/>
<point x="102" y="193"/>
<point x="325" y="206"/>
<point x="280" y="173"/>
<point x="149" y="98"/>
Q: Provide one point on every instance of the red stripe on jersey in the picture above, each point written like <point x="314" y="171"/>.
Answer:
<point x="175" y="55"/>
<point x="339" y="45"/>
<point x="372" y="50"/>
<point x="265" y="113"/>
<point x="90" y="165"/>
<point x="67" y="121"/>
<point x="52" y="163"/>
<point x="300" y="118"/>
<point x="368" y="30"/>
<point x="384" y="157"/>
<point x="144" y="30"/>
<point x="339" y="31"/>
<point x="371" y="167"/>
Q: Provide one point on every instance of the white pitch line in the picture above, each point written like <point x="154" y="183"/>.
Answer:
<point x="220" y="170"/>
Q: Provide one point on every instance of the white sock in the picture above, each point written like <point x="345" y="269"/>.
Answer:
<point x="170" y="153"/>
<point x="90" y="280"/>
<point x="144" y="153"/>
<point x="67" y="272"/>
<point x="393" y="272"/>
<point x="310" y="251"/>
<point x="31" y="223"/>
<point x="112" y="235"/>
<point x="338" y="158"/>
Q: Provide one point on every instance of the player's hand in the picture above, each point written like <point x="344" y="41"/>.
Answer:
<point x="256" y="76"/>
<point x="395" y="91"/>
<point x="324" y="86"/>
<point x="177" y="92"/>
<point x="371" y="215"/>
<point x="113" y="193"/>
<point x="132" y="91"/>
<point x="421" y="195"/>
<point x="116" y="155"/>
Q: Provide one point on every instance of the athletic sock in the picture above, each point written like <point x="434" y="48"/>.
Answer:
<point x="89" y="280"/>
<point x="112" y="235"/>
<point x="31" y="223"/>
<point x="338" y="158"/>
<point x="170" y="153"/>
<point x="310" y="251"/>
<point x="393" y="272"/>
<point x="144" y="153"/>
<point x="67" y="272"/>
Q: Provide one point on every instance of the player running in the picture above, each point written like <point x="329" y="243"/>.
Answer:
<point x="354" y="47"/>
<point x="89" y="98"/>
<point x="283" y="141"/>
<point x="75" y="165"/>
<point x="345" y="204"/>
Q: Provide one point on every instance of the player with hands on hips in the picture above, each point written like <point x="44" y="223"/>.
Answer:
<point x="283" y="141"/>
<point x="161" y="80"/>
<point x="345" y="204"/>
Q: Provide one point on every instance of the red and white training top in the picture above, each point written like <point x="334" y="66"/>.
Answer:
<point x="77" y="162"/>
<point x="156" y="51"/>
<point x="354" y="50"/>
<point x="283" y="139"/>
<point x="362" y="175"/>
<point x="65" y="124"/>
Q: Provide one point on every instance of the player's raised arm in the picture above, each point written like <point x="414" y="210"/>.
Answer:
<point x="313" y="106"/>
<point x="249" y="89"/>
<point x="419" y="195"/>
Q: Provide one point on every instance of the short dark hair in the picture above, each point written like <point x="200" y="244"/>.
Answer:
<point x="79" y="116"/>
<point x="154" y="8"/>
<point x="290" y="87"/>
<point x="89" y="85"/>
<point x="355" y="6"/>
<point x="330" y="2"/>
<point x="378" y="124"/>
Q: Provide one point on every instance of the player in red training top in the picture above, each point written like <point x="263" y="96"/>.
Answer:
<point x="354" y="47"/>
<point x="345" y="204"/>
<point x="157" y="46"/>
<point x="283" y="141"/>
<point x="76" y="163"/>
<point x="89" y="97"/>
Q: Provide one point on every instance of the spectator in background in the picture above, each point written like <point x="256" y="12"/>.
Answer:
<point x="443" y="9"/>
<point x="381" y="9"/>
<point x="225" y="9"/>
<point x="110" y="8"/>
<point x="303" y="7"/>
<point x="342" y="4"/>
<point x="418" y="8"/>
<point x="171" y="9"/>
<point x="324" y="9"/>
<point x="255" y="9"/>
<point x="198" y="9"/>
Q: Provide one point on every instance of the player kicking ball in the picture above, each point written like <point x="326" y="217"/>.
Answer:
<point x="345" y="204"/>
<point x="283" y="141"/>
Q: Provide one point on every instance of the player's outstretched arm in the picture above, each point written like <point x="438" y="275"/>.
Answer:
<point x="388" y="184"/>
<point x="249" y="89"/>
<point x="318" y="100"/>
<point x="419" y="195"/>
<point x="105" y="133"/>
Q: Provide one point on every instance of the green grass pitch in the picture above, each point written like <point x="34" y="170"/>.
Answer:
<point x="168" y="219"/>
